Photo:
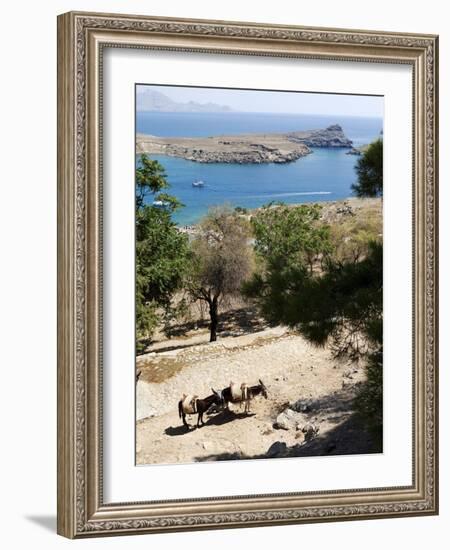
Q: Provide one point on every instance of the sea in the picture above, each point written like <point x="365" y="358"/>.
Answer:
<point x="325" y="175"/>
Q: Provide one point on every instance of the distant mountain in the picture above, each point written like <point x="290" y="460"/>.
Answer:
<point x="152" y="100"/>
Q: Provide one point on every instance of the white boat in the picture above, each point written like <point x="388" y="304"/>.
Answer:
<point x="198" y="183"/>
<point x="160" y="204"/>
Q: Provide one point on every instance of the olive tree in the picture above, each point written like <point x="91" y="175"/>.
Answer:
<point x="221" y="261"/>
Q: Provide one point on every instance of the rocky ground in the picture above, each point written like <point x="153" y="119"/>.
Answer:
<point x="308" y="410"/>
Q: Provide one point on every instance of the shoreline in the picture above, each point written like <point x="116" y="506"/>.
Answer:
<point x="256" y="148"/>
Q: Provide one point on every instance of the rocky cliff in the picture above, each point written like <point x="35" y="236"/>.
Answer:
<point x="333" y="136"/>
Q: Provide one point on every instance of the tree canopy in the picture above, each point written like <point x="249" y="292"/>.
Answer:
<point x="162" y="252"/>
<point x="290" y="235"/>
<point x="341" y="304"/>
<point x="222" y="260"/>
<point x="290" y="244"/>
<point x="369" y="169"/>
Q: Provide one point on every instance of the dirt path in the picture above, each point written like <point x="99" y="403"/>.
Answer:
<point x="291" y="369"/>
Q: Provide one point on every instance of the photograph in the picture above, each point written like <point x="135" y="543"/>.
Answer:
<point x="258" y="274"/>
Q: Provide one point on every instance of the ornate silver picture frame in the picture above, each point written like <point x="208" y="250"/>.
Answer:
<point x="82" y="509"/>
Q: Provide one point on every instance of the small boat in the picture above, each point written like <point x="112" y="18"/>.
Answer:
<point x="160" y="204"/>
<point x="198" y="183"/>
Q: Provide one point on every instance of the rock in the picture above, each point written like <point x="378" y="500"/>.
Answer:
<point x="301" y="406"/>
<point x="358" y="150"/>
<point x="345" y="210"/>
<point x="290" y="419"/>
<point x="277" y="450"/>
<point x="283" y="421"/>
<point x="333" y="136"/>
<point x="310" y="431"/>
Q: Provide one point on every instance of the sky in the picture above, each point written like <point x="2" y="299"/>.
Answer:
<point x="276" y="102"/>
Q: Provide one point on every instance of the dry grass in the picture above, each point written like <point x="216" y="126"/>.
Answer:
<point x="160" y="369"/>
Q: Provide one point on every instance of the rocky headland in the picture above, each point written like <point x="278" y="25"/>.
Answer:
<point x="244" y="148"/>
<point x="358" y="150"/>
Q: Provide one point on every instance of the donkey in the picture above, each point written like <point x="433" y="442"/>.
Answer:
<point x="243" y="394"/>
<point x="191" y="404"/>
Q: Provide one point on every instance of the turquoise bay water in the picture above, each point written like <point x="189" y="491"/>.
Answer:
<point x="326" y="174"/>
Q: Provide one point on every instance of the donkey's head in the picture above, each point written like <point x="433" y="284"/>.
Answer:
<point x="219" y="399"/>
<point x="263" y="388"/>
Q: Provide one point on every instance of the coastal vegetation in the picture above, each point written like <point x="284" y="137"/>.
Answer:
<point x="162" y="252"/>
<point x="369" y="169"/>
<point x="314" y="269"/>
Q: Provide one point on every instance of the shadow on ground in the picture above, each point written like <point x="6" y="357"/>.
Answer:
<point x="174" y="347"/>
<point x="349" y="438"/>
<point x="334" y="403"/>
<point x="234" y="322"/>
<point x="226" y="416"/>
<point x="46" y="522"/>
<point x="222" y="417"/>
<point x="178" y="430"/>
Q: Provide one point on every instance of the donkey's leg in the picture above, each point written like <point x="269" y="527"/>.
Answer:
<point x="184" y="420"/>
<point x="199" y="419"/>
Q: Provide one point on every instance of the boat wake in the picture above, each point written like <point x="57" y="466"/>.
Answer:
<point x="289" y="194"/>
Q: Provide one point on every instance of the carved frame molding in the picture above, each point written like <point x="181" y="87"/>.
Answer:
<point x="81" y="39"/>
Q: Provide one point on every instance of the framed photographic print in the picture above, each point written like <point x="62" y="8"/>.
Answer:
<point x="247" y="277"/>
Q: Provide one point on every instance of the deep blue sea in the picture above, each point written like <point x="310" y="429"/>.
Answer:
<point x="324" y="175"/>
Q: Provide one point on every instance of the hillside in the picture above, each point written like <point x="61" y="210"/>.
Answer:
<point x="309" y="410"/>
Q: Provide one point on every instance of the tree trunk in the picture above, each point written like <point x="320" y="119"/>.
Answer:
<point x="214" y="319"/>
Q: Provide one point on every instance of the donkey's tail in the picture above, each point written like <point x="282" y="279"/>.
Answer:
<point x="180" y="409"/>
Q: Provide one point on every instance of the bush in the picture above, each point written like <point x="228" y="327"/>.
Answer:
<point x="369" y="401"/>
